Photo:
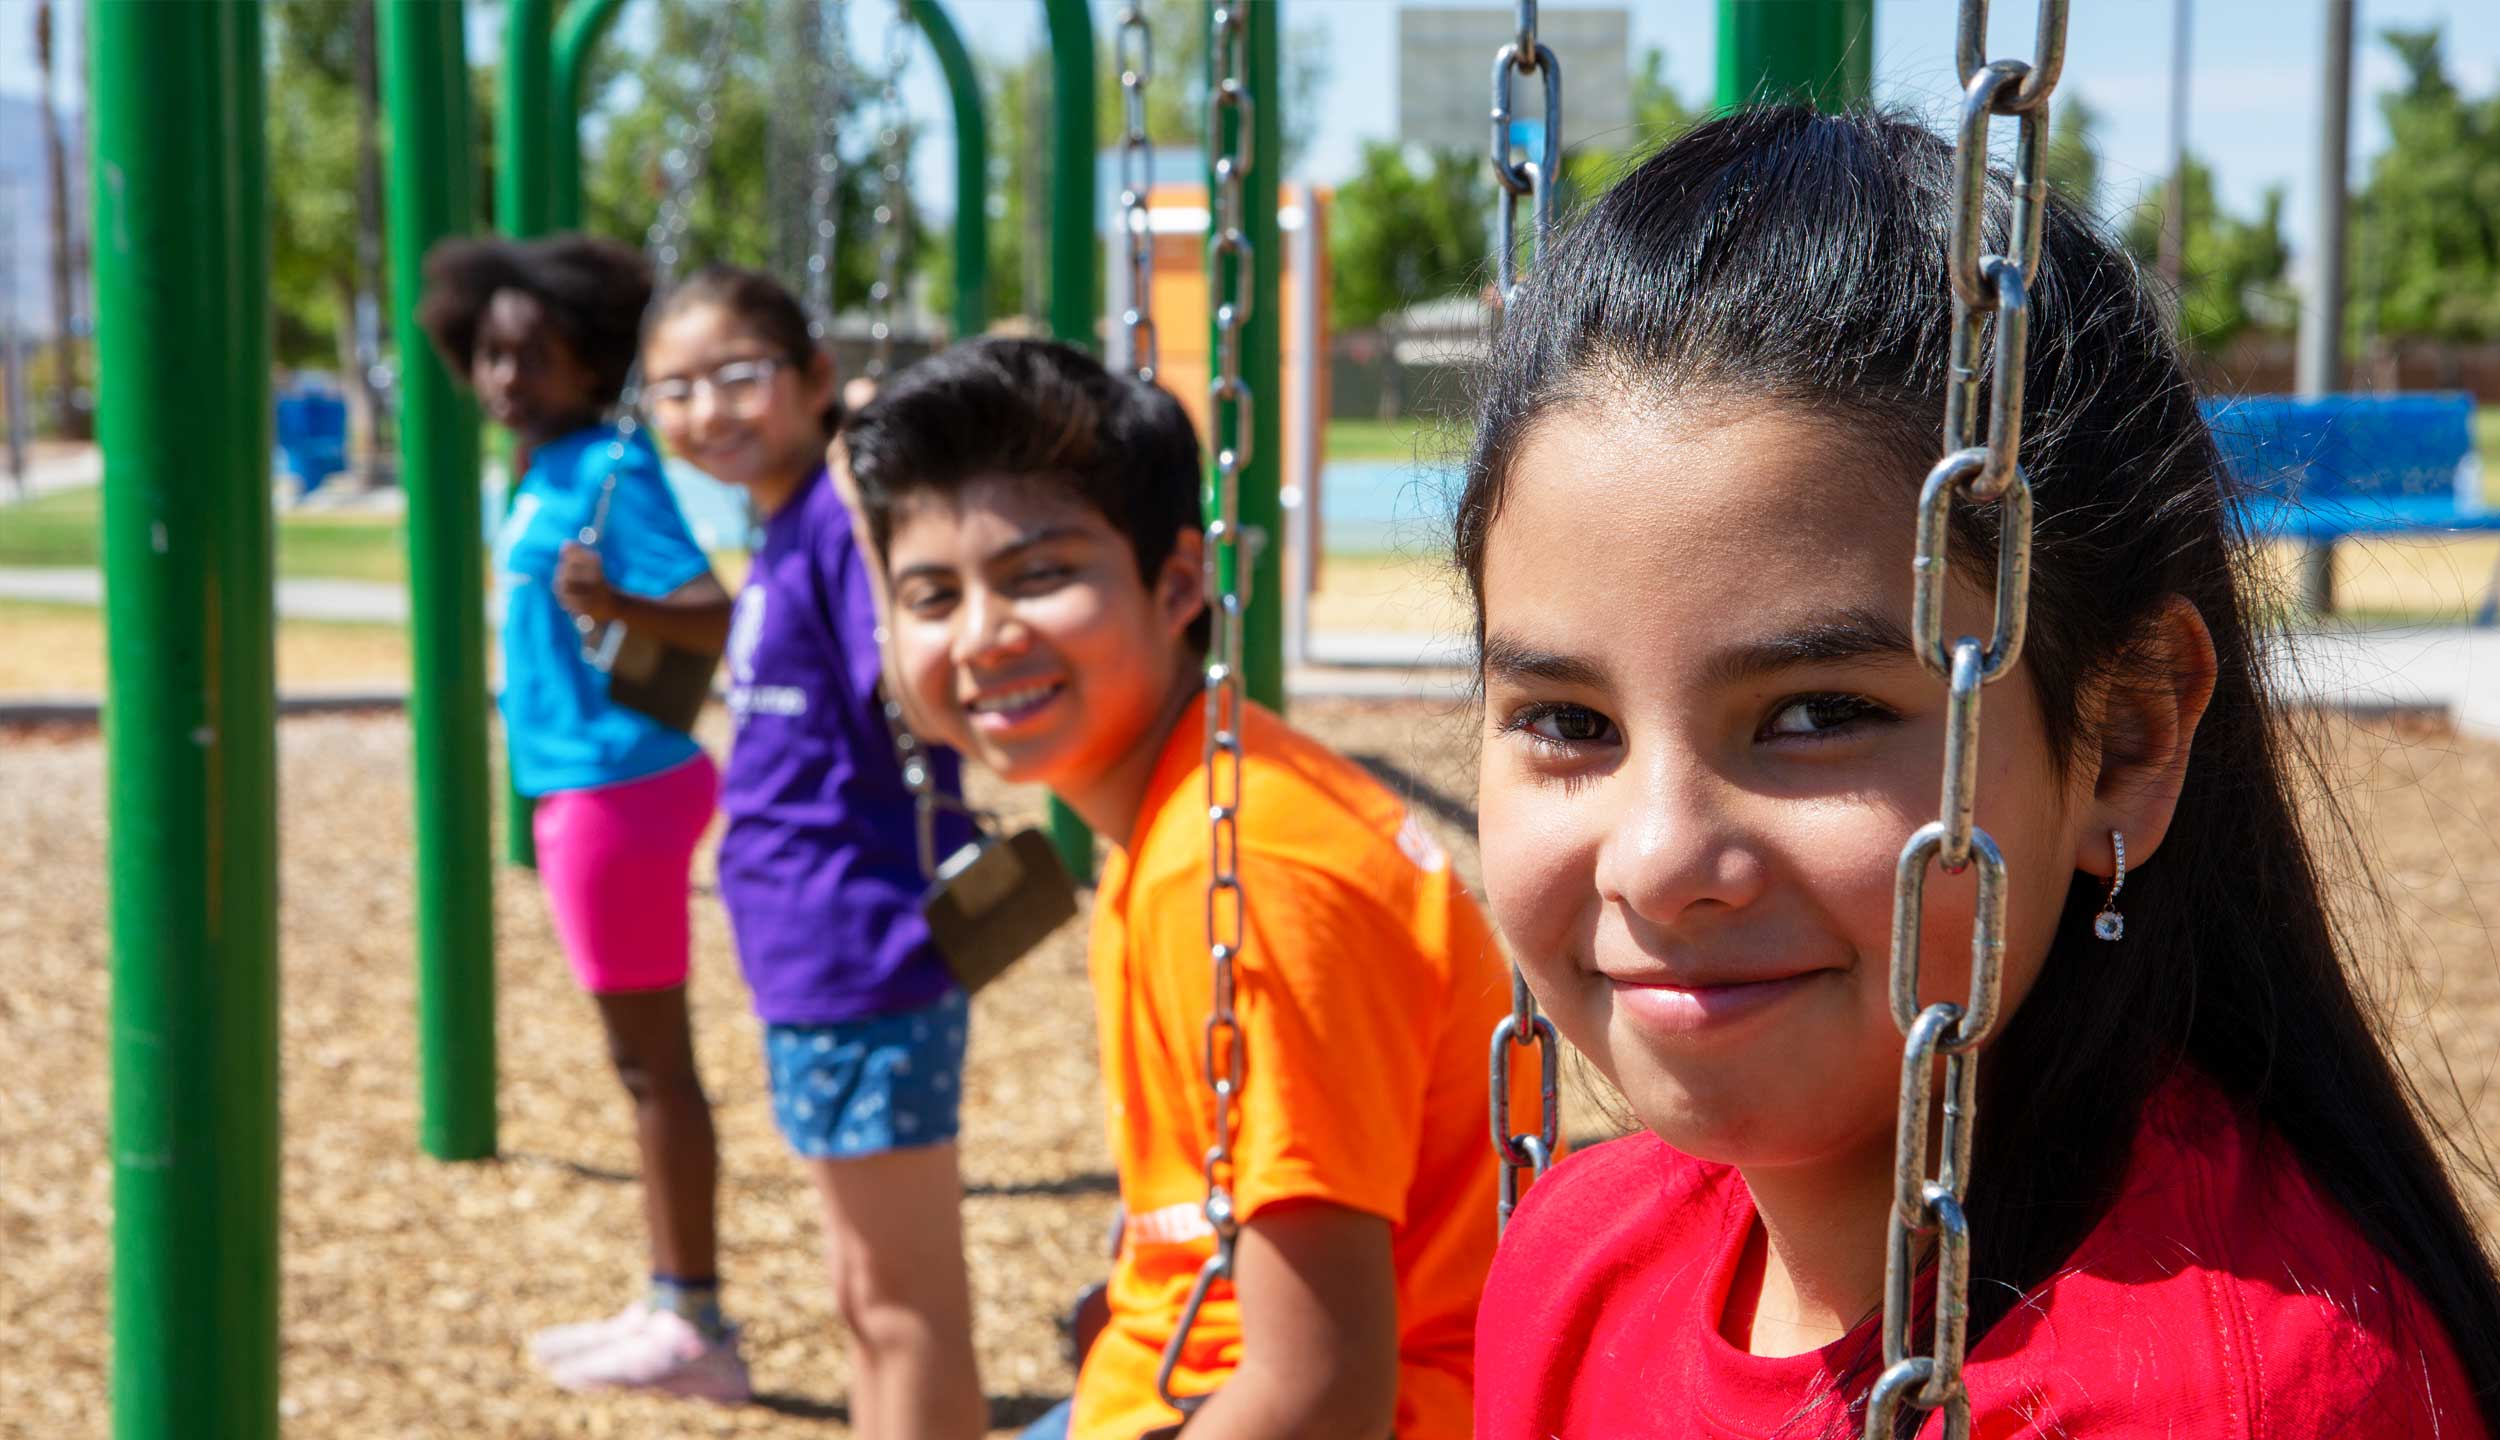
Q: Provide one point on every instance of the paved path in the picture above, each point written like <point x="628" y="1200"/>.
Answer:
<point x="362" y="601"/>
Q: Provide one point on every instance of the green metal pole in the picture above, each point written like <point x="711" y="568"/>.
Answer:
<point x="425" y="82"/>
<point x="522" y="175"/>
<point x="972" y="168"/>
<point x="182" y="263"/>
<point x="522" y="169"/>
<point x="1820" y="52"/>
<point x="1072" y="262"/>
<point x="584" y="24"/>
<point x="1262" y="516"/>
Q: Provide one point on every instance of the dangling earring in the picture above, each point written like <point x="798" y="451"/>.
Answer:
<point x="2109" y="924"/>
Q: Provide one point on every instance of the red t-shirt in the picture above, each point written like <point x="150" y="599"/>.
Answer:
<point x="2221" y="1296"/>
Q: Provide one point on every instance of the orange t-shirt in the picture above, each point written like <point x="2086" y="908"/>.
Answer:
<point x="1367" y="991"/>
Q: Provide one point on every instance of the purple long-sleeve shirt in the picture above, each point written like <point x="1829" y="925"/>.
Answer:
<point x="820" y="869"/>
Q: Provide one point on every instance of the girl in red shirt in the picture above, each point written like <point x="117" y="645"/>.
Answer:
<point x="2203" y="1202"/>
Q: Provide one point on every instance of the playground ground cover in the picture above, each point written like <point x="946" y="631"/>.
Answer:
<point x="408" y="1284"/>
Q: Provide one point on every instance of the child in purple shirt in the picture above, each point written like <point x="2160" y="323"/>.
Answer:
<point x="820" y="866"/>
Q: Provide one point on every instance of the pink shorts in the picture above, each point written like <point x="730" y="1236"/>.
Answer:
<point x="615" y="861"/>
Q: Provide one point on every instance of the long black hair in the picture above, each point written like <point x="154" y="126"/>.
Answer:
<point x="1799" y="258"/>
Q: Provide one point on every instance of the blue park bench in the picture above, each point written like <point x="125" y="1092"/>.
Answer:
<point x="2316" y="471"/>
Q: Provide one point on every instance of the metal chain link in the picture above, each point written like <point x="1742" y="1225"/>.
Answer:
<point x="1523" y="1028"/>
<point x="681" y="169"/>
<point x="893" y="213"/>
<point x="1988" y="473"/>
<point x="912" y="758"/>
<point x="1229" y="129"/>
<point x="1534" y="179"/>
<point x="831" y="71"/>
<point x="1136" y="60"/>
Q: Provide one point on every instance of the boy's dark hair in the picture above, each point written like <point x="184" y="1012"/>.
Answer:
<point x="764" y="306"/>
<point x="1798" y="258"/>
<point x="594" y="291"/>
<point x="1033" y="409"/>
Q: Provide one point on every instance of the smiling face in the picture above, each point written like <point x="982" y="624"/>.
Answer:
<point x="527" y="376"/>
<point x="1026" y="638"/>
<point x="1706" y="743"/>
<point x="731" y="403"/>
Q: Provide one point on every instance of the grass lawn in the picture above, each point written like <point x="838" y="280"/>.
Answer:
<point x="63" y="529"/>
<point x="2487" y="445"/>
<point x="59" y="650"/>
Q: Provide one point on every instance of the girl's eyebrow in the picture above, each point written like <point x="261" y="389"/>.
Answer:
<point x="1509" y="658"/>
<point x="1853" y="634"/>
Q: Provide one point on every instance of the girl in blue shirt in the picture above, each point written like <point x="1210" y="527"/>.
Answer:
<point x="545" y="333"/>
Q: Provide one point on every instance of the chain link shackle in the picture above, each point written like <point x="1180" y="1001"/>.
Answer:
<point x="1532" y="180"/>
<point x="1229" y="124"/>
<point x="1523" y="1028"/>
<point x="893" y="204"/>
<point x="1136" y="55"/>
<point x="1985" y="473"/>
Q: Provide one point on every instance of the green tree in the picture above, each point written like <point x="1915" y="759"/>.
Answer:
<point x="1659" y="114"/>
<point x="311" y="46"/>
<point x="1399" y="234"/>
<point x="2235" y="269"/>
<point x="2074" y="159"/>
<point x="734" y="215"/>
<point x="2428" y="222"/>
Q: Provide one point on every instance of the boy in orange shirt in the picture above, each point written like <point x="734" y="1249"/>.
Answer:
<point x="1039" y="525"/>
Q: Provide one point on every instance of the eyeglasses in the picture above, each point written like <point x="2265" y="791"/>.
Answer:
<point x="738" y="386"/>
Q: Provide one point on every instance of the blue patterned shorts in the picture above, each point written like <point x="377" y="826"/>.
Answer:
<point x="864" y="1087"/>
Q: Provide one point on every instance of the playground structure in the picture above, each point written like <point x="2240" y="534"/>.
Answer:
<point x="193" y="801"/>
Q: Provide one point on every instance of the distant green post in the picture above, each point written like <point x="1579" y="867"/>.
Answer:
<point x="1262" y="514"/>
<point x="425" y="82"/>
<point x="1073" y="264"/>
<point x="585" y="22"/>
<point x="1820" y="52"/>
<point x="182" y="273"/>
<point x="523" y="207"/>
<point x="972" y="168"/>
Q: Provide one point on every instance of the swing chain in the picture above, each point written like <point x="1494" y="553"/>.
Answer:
<point x="893" y="204"/>
<point x="1534" y="179"/>
<point x="824" y="196"/>
<point x="1986" y="473"/>
<point x="912" y="758"/>
<point x="1523" y="1028"/>
<point x="1136" y="60"/>
<point x="1229" y="280"/>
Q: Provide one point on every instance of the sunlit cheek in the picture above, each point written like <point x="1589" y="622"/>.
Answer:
<point x="1538" y="876"/>
<point x="924" y="650"/>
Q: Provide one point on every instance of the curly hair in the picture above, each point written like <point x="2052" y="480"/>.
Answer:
<point x="594" y="291"/>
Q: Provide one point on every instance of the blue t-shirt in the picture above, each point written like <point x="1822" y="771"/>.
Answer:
<point x="563" y="731"/>
<point x="820" y="866"/>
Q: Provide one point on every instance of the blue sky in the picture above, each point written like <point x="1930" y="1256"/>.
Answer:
<point x="2254" y="72"/>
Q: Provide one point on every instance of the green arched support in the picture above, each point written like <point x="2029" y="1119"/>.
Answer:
<point x="972" y="168"/>
<point x="587" y="22"/>
<point x="584" y="25"/>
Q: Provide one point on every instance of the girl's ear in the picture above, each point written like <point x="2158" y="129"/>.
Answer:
<point x="2148" y="723"/>
<point x="1181" y="587"/>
